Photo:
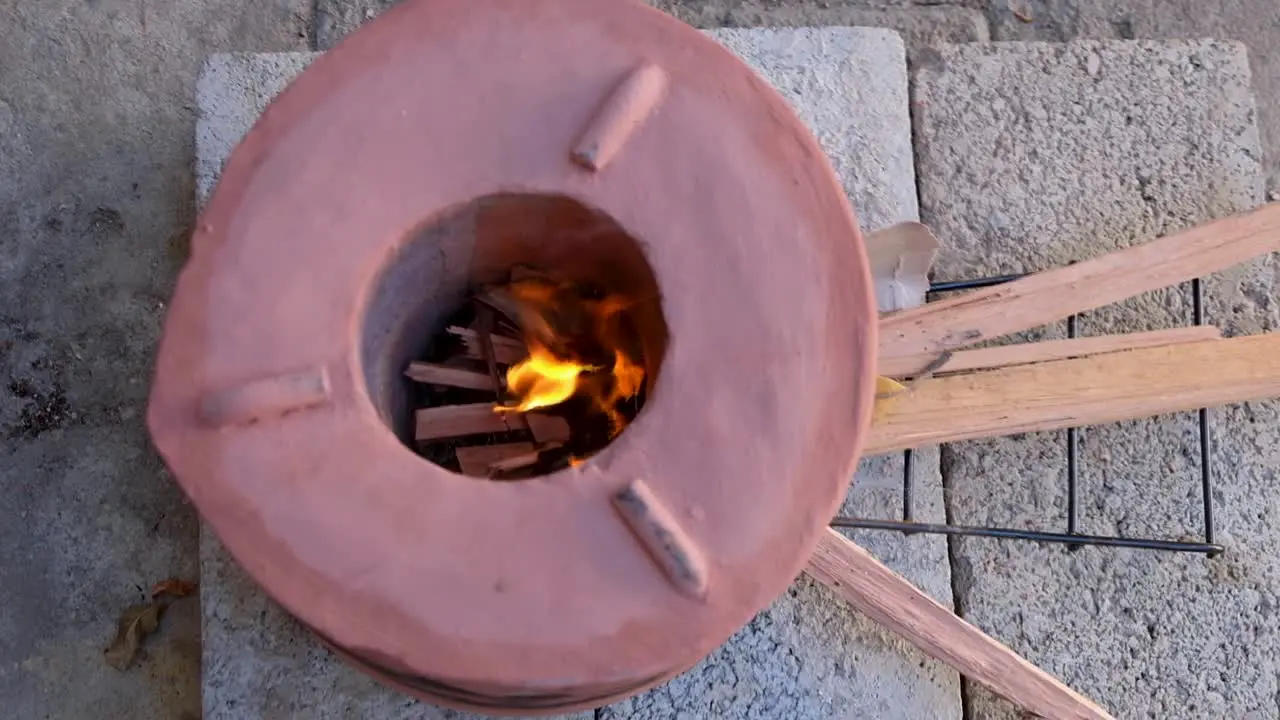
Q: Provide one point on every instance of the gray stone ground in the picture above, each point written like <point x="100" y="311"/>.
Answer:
<point x="96" y="135"/>
<point x="1084" y="148"/>
<point x="96" y="153"/>
<point x="1253" y="22"/>
<point x="808" y="655"/>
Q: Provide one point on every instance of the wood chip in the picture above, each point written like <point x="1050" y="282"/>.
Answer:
<point x="475" y="460"/>
<point x="450" y="421"/>
<point x="521" y="460"/>
<point x="507" y="351"/>
<point x="449" y="376"/>
<point x="548" y="428"/>
<point x="484" y="335"/>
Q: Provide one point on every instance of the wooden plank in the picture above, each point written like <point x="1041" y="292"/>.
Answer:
<point x="451" y="376"/>
<point x="1083" y="391"/>
<point x="1026" y="353"/>
<point x="507" y="351"/>
<point x="889" y="599"/>
<point x="449" y="421"/>
<point x="521" y="460"/>
<point x="548" y="428"/>
<point x="1051" y="295"/>
<point x="476" y="459"/>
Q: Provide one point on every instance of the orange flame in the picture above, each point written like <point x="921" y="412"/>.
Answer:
<point x="542" y="380"/>
<point x="545" y="379"/>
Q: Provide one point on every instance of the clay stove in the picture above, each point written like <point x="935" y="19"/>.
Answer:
<point x="429" y="154"/>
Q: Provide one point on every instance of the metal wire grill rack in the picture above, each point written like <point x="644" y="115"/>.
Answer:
<point x="1072" y="537"/>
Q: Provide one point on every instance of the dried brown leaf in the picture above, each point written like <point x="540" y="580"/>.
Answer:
<point x="173" y="587"/>
<point x="135" y="624"/>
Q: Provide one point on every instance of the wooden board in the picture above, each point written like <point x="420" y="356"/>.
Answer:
<point x="506" y="351"/>
<point x="1027" y="353"/>
<point x="889" y="599"/>
<point x="548" y="428"/>
<point x="1052" y="295"/>
<point x="424" y="372"/>
<point x="1083" y="391"/>
<point x="475" y="460"/>
<point x="449" y="421"/>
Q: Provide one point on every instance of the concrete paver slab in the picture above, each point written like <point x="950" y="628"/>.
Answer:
<point x="1032" y="155"/>
<point x="1254" y="22"/>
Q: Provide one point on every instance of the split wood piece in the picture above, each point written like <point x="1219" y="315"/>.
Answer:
<point x="476" y="460"/>
<point x="1091" y="390"/>
<point x="892" y="601"/>
<point x="1027" y="353"/>
<point x="484" y="335"/>
<point x="1051" y="295"/>
<point x="547" y="429"/>
<point x="507" y="351"/>
<point x="450" y="376"/>
<point x="524" y="459"/>
<point x="450" y="421"/>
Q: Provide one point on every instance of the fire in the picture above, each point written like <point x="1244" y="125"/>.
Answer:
<point x="542" y="380"/>
<point x="561" y="325"/>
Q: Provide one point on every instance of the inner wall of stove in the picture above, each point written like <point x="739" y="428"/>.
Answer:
<point x="476" y="243"/>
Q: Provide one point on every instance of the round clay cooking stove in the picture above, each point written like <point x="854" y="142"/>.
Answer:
<point x="404" y="175"/>
<point x="592" y="264"/>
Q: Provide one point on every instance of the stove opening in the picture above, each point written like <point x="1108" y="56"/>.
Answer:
<point x="513" y="336"/>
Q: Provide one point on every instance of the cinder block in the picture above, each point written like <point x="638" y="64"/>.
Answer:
<point x="1035" y="155"/>
<point x="808" y="655"/>
<point x="919" y="25"/>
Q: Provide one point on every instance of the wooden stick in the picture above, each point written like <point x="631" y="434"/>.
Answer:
<point x="889" y="599"/>
<point x="484" y="334"/>
<point x="475" y="460"/>
<point x="507" y="351"/>
<point x="1084" y="391"/>
<point x="524" y="459"/>
<point x="1026" y="353"/>
<point x="449" y="421"/>
<point x="451" y="376"/>
<point x="1051" y="295"/>
<point x="548" y="428"/>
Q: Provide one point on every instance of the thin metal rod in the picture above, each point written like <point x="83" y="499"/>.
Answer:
<point x="908" y="463"/>
<point x="973" y="284"/>
<point x="1011" y="534"/>
<point x="1073" y="462"/>
<point x="1206" y="444"/>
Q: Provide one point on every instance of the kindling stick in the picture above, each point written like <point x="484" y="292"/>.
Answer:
<point x="1044" y="297"/>
<point x="891" y="600"/>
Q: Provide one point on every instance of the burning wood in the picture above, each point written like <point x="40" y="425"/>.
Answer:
<point x="578" y="358"/>
<point x="578" y="344"/>
<point x="548" y="428"/>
